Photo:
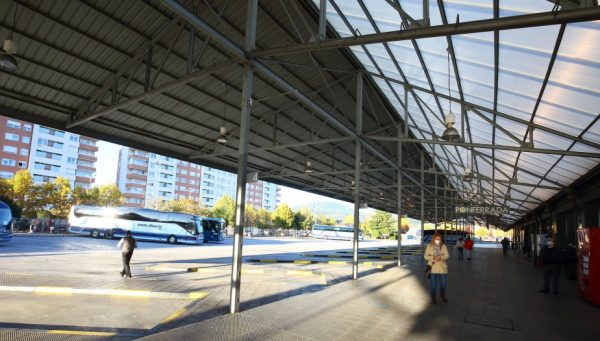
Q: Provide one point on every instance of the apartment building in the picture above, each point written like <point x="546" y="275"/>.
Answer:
<point x="15" y="137"/>
<point x="188" y="179"/>
<point x="47" y="153"/>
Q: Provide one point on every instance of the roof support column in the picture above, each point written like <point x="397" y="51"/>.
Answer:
<point x="240" y="202"/>
<point x="399" y="174"/>
<point x="359" y="98"/>
<point x="422" y="201"/>
<point x="322" y="19"/>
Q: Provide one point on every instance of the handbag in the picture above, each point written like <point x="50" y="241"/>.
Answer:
<point x="428" y="271"/>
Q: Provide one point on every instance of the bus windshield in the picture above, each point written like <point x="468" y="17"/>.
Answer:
<point x="5" y="217"/>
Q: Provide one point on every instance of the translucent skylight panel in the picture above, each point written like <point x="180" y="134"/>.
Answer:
<point x="580" y="41"/>
<point x="577" y="165"/>
<point x="568" y="110"/>
<point x="517" y="129"/>
<point x="468" y="10"/>
<point x="537" y="162"/>
<point x="519" y="7"/>
<point x="545" y="140"/>
<point x="354" y="14"/>
<point x="436" y="60"/>
<point x="475" y="59"/>
<point x="481" y="131"/>
<point x="507" y="156"/>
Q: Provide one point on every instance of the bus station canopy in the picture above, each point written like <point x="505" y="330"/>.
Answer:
<point x="166" y="76"/>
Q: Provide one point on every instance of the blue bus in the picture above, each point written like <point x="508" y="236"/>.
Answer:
<point x="5" y="220"/>
<point x="213" y="229"/>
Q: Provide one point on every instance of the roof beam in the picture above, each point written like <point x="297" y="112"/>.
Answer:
<point x="505" y="23"/>
<point x="147" y="94"/>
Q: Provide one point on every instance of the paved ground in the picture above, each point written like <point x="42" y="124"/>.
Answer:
<point x="491" y="298"/>
<point x="64" y="285"/>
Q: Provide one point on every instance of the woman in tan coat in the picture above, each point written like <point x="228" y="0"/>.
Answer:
<point x="436" y="255"/>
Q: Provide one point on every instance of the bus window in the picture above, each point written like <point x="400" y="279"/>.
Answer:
<point x="5" y="217"/>
<point x="199" y="228"/>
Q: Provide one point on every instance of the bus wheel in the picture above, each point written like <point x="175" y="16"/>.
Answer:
<point x="108" y="234"/>
<point x="95" y="233"/>
<point x="172" y="240"/>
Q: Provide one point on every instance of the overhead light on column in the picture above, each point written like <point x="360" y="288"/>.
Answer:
<point x="450" y="133"/>
<point x="9" y="48"/>
<point x="468" y="175"/>
<point x="353" y="185"/>
<point x="223" y="137"/>
<point x="308" y="167"/>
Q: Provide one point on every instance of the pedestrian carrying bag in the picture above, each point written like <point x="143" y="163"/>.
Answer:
<point x="428" y="271"/>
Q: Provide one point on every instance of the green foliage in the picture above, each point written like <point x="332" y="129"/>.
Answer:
<point x="348" y="220"/>
<point x="382" y="224"/>
<point x="185" y="205"/>
<point x="264" y="219"/>
<point x="481" y="232"/>
<point x="60" y="198"/>
<point x="225" y="208"/>
<point x="324" y="220"/>
<point x="303" y="219"/>
<point x="251" y="216"/>
<point x="283" y="217"/>
<point x="105" y="195"/>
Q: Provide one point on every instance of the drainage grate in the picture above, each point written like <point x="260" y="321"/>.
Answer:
<point x="488" y="321"/>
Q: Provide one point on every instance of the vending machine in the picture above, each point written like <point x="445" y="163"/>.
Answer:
<point x="588" y="263"/>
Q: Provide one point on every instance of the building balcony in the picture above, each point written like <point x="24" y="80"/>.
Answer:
<point x="88" y="147"/>
<point x="134" y="195"/>
<point x="87" y="168"/>
<point x="85" y="180"/>
<point x="131" y="204"/>
<point x="138" y="167"/>
<point x="87" y="157"/>
<point x="136" y="176"/>
<point x="132" y="185"/>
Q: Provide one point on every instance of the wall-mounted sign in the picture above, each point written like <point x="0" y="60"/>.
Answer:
<point x="484" y="210"/>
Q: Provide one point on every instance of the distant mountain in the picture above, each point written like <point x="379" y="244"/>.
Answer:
<point x="331" y="209"/>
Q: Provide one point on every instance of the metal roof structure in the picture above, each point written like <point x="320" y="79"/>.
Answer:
<point x="165" y="76"/>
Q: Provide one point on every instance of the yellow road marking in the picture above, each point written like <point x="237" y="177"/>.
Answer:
<point x="76" y="332"/>
<point x="302" y="262"/>
<point x="253" y="271"/>
<point x="340" y="262"/>
<point x="197" y="294"/>
<point x="388" y="257"/>
<point x="367" y="263"/>
<point x="173" y="316"/>
<point x="268" y="260"/>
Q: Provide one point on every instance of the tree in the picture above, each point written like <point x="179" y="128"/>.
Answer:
<point x="348" y="220"/>
<point x="184" y="205"/>
<point x="264" y="220"/>
<point x="60" y="198"/>
<point x="481" y="232"/>
<point x="110" y="195"/>
<point x="382" y="224"/>
<point x="251" y="215"/>
<point x="324" y="220"/>
<point x="283" y="216"/>
<point x="304" y="219"/>
<point x="30" y="197"/>
<point x="225" y="208"/>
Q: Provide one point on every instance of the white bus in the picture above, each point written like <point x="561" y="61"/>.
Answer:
<point x="144" y="224"/>
<point x="5" y="220"/>
<point x="334" y="232"/>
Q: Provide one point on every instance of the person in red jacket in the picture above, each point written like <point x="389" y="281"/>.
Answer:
<point x="469" y="246"/>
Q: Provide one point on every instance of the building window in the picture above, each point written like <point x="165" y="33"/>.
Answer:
<point x="9" y="162"/>
<point x="13" y="124"/>
<point x="25" y="139"/>
<point x="51" y="131"/>
<point x="6" y="175"/>
<point x="74" y="138"/>
<point x="9" y="149"/>
<point x="24" y="151"/>
<point x="22" y="164"/>
<point x="11" y="137"/>
<point x="27" y="127"/>
<point x="71" y="160"/>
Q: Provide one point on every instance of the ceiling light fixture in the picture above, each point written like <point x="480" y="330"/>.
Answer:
<point x="223" y="137"/>
<point x="9" y="48"/>
<point x="450" y="133"/>
<point x="308" y="167"/>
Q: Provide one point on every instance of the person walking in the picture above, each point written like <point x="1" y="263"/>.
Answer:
<point x="436" y="255"/>
<point x="127" y="244"/>
<point x="460" y="244"/>
<point x="505" y="243"/>
<point x="469" y="246"/>
<point x="552" y="258"/>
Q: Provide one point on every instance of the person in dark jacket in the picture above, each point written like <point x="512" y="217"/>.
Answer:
<point x="505" y="243"/>
<point x="552" y="258"/>
<point x="127" y="245"/>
